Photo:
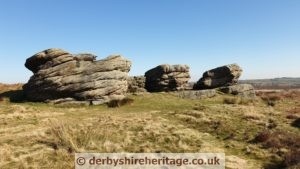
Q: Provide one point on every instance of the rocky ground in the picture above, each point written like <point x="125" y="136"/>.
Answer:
<point x="260" y="133"/>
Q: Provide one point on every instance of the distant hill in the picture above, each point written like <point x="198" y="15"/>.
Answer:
<point x="276" y="83"/>
<point x="8" y="87"/>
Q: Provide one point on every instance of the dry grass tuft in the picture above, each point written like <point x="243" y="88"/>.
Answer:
<point x="251" y="114"/>
<point x="246" y="101"/>
<point x="200" y="107"/>
<point x="295" y="110"/>
<point x="64" y="136"/>
<point x="230" y="100"/>
<point x="6" y="153"/>
<point x="238" y="100"/>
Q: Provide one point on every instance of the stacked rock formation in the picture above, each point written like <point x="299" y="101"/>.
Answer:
<point x="136" y="84"/>
<point x="224" y="79"/>
<point x="167" y="78"/>
<point x="218" y="77"/>
<point x="59" y="74"/>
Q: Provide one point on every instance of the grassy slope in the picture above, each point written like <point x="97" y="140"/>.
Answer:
<point x="37" y="134"/>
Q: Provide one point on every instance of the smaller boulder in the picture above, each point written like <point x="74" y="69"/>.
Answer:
<point x="197" y="94"/>
<point x="243" y="90"/>
<point x="167" y="78"/>
<point x="218" y="77"/>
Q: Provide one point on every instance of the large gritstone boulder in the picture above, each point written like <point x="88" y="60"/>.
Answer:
<point x="218" y="77"/>
<point x="59" y="74"/>
<point x="136" y="84"/>
<point x="167" y="78"/>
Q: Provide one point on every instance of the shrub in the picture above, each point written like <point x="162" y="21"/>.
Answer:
<point x="296" y="123"/>
<point x="119" y="103"/>
<point x="275" y="97"/>
<point x="263" y="136"/>
<point x="271" y="96"/>
<point x="292" y="116"/>
<point x="292" y="158"/>
<point x="281" y="139"/>
<point x="292" y="94"/>
<point x="278" y="139"/>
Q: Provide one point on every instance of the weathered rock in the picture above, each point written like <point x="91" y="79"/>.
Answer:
<point x="167" y="78"/>
<point x="136" y="84"/>
<point x="85" y="57"/>
<point x="243" y="90"/>
<point x="197" y="94"/>
<point x="68" y="101"/>
<point x="36" y="61"/>
<point x="218" y="77"/>
<point x="59" y="74"/>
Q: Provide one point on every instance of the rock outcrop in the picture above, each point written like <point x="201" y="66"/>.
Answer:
<point x="59" y="74"/>
<point x="167" y="78"/>
<point x="243" y="90"/>
<point x="136" y="84"/>
<point x="197" y="94"/>
<point x="218" y="77"/>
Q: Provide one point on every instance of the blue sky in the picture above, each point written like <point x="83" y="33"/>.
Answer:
<point x="263" y="36"/>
